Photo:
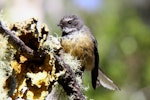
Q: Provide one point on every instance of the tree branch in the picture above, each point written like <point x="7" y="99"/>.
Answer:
<point x="68" y="80"/>
<point x="20" y="46"/>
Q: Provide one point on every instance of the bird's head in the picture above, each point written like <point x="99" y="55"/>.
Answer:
<point x="70" y="23"/>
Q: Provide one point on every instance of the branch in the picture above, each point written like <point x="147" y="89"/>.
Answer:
<point x="68" y="80"/>
<point x="20" y="46"/>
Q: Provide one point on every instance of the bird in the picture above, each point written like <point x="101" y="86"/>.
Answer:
<point x="78" y="40"/>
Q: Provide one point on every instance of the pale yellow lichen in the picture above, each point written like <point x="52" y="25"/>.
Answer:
<point x="52" y="43"/>
<point x="16" y="66"/>
<point x="39" y="78"/>
<point x="5" y="69"/>
<point x="72" y="61"/>
<point x="33" y="79"/>
<point x="30" y="95"/>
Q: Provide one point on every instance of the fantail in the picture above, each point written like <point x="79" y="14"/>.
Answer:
<point x="78" y="40"/>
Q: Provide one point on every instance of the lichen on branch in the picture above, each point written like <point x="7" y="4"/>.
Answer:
<point x="39" y="63"/>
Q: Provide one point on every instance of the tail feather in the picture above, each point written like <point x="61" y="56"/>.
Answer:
<point x="103" y="80"/>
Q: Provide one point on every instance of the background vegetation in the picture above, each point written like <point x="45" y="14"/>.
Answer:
<point x="121" y="27"/>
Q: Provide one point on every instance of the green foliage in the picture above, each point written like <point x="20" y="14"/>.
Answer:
<point x="124" y="48"/>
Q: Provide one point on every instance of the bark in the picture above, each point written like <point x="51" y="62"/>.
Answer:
<point x="67" y="80"/>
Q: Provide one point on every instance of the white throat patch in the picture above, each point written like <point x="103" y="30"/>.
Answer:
<point x="68" y="30"/>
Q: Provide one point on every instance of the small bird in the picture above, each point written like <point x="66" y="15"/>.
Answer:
<point x="78" y="40"/>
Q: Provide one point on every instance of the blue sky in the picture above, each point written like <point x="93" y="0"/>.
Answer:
<point x="89" y="4"/>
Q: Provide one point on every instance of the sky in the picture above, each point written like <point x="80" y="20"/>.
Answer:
<point x="90" y="5"/>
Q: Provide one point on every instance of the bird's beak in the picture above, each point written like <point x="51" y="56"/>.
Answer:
<point x="60" y="25"/>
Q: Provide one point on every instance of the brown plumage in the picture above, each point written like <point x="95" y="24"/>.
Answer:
<point x="79" y="41"/>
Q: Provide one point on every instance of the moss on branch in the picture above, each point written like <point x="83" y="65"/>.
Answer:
<point x="38" y="63"/>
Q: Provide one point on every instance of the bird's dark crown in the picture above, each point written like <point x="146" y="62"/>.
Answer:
<point x="71" y="21"/>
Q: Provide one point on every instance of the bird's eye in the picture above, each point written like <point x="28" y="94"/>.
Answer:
<point x="69" y="22"/>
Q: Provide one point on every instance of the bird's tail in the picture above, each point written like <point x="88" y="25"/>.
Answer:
<point x="106" y="82"/>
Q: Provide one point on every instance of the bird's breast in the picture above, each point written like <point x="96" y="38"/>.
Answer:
<point x="80" y="46"/>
